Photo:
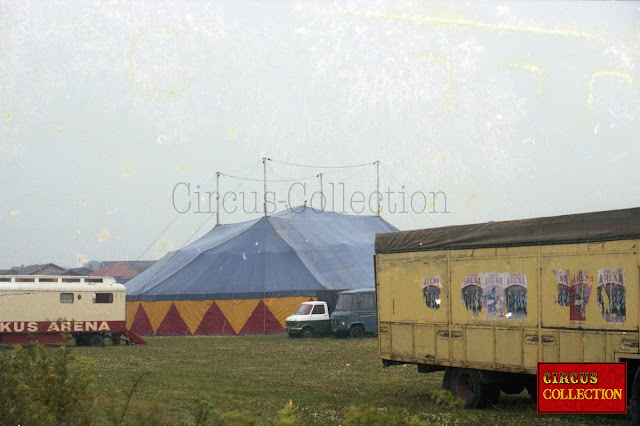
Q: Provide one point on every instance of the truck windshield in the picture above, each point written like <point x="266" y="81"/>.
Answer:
<point x="304" y="310"/>
<point x="346" y="302"/>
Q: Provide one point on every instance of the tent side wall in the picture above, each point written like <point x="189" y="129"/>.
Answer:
<point x="212" y="317"/>
<point x="218" y="317"/>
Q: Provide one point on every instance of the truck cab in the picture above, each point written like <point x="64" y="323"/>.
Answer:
<point x="311" y="319"/>
<point x="355" y="313"/>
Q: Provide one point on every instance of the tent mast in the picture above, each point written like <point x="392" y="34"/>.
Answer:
<point x="321" y="193"/>
<point x="217" y="198"/>
<point x="264" y="167"/>
<point x="378" y="187"/>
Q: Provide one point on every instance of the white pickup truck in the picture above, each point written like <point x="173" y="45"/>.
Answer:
<point x="311" y="319"/>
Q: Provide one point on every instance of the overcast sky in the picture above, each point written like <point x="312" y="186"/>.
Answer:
<point x="112" y="114"/>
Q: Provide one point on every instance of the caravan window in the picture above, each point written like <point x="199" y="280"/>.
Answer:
<point x="66" y="297"/>
<point x="102" y="297"/>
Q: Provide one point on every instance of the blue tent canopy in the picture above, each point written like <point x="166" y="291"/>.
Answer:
<point x="298" y="252"/>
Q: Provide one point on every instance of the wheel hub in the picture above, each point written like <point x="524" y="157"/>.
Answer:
<point x="464" y="386"/>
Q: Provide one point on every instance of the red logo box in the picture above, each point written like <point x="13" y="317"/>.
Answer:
<point x="581" y="387"/>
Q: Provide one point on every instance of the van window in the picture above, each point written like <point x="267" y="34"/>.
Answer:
<point x="66" y="297"/>
<point x="346" y="302"/>
<point x="366" y="301"/>
<point x="102" y="297"/>
<point x="318" y="310"/>
<point x="304" y="309"/>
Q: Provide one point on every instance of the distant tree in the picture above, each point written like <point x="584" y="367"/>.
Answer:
<point x="94" y="265"/>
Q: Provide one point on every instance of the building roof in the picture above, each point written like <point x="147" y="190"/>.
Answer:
<point x="35" y="269"/>
<point x="134" y="265"/>
<point x="116" y="271"/>
<point x="79" y="272"/>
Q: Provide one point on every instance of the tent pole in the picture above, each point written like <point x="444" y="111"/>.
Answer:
<point x="264" y="168"/>
<point x="321" y="193"/>
<point x="378" y="187"/>
<point x="217" y="198"/>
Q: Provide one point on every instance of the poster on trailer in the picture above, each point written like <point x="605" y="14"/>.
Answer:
<point x="612" y="295"/>
<point x="493" y="294"/>
<point x="562" y="277"/>
<point x="515" y="294"/>
<point x="431" y="288"/>
<point x="472" y="294"/>
<point x="498" y="295"/>
<point x="579" y="292"/>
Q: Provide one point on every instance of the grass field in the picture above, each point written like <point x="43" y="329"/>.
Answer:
<point x="322" y="377"/>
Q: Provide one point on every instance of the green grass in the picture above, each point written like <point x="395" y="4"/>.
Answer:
<point x="322" y="377"/>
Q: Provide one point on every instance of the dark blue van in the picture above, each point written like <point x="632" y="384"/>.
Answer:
<point x="355" y="313"/>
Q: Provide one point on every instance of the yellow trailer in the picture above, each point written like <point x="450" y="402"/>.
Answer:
<point x="486" y="302"/>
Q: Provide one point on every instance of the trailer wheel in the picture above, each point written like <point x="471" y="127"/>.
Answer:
<point x="357" y="332"/>
<point x="96" y="340"/>
<point x="466" y="384"/>
<point x="307" y="333"/>
<point x="81" y="340"/>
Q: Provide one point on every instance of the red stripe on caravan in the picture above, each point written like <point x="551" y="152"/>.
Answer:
<point x="43" y="327"/>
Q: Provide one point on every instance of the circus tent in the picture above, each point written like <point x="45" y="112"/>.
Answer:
<point x="246" y="278"/>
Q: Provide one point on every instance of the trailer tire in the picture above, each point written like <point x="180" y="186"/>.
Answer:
<point x="307" y="333"/>
<point x="81" y="340"/>
<point x="96" y="340"/>
<point x="466" y="384"/>
<point x="357" y="331"/>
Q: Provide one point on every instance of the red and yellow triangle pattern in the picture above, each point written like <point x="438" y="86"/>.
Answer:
<point x="212" y="317"/>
